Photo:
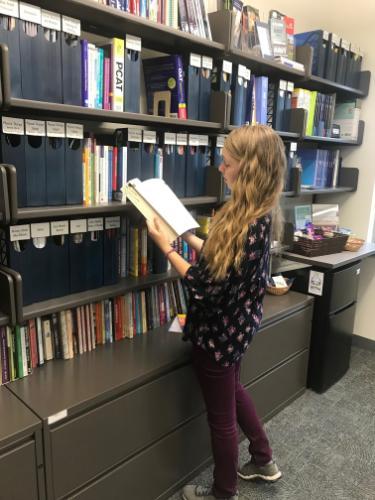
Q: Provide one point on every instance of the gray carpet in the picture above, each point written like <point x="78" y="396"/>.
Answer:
<point x="323" y="443"/>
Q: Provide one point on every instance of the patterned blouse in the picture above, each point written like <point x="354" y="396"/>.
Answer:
<point x="223" y="316"/>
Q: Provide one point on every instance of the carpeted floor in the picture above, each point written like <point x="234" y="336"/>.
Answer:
<point x="323" y="443"/>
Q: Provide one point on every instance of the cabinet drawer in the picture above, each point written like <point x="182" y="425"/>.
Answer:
<point x="277" y="387"/>
<point x="112" y="432"/>
<point x="344" y="288"/>
<point x="18" y="473"/>
<point x="274" y="344"/>
<point x="151" y="473"/>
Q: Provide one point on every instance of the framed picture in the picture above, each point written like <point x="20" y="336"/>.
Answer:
<point x="263" y="33"/>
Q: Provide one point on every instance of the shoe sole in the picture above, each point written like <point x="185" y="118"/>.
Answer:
<point x="269" y="479"/>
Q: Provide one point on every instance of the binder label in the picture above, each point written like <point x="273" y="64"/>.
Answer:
<point x="248" y="74"/>
<point x="41" y="229"/>
<point x="181" y="139"/>
<point x="283" y="85"/>
<point x="78" y="226"/>
<point x="71" y="26"/>
<point x="59" y="227"/>
<point x="95" y="224"/>
<point x="35" y="127"/>
<point x="52" y="419"/>
<point x="220" y="139"/>
<point x="9" y="8"/>
<point x="13" y="125"/>
<point x="51" y="20"/>
<point x="290" y="86"/>
<point x="242" y="71"/>
<point x="207" y="62"/>
<point x="336" y="39"/>
<point x="55" y="129"/>
<point x="194" y="140"/>
<point x="293" y="146"/>
<point x="133" y="43"/>
<point x="112" y="222"/>
<point x="203" y="140"/>
<point x="135" y="135"/>
<point x="74" y="130"/>
<point x="18" y="233"/>
<point x="345" y="44"/>
<point x="227" y="67"/>
<point x="149" y="136"/>
<point x="30" y="13"/>
<point x="169" y="138"/>
<point x="195" y="60"/>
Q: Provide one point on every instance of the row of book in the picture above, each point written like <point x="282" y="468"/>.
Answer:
<point x="320" y="110"/>
<point x="72" y="332"/>
<point x="320" y="167"/>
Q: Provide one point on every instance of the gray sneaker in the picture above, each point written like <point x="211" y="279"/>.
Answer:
<point x="269" y="472"/>
<point x="194" y="492"/>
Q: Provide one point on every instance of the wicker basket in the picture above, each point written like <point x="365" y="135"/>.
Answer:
<point x="325" y="246"/>
<point x="277" y="290"/>
<point x="353" y="244"/>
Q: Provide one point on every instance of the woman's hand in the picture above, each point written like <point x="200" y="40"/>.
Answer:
<point x="156" y="234"/>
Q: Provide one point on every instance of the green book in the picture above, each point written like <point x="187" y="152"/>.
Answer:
<point x="311" y="113"/>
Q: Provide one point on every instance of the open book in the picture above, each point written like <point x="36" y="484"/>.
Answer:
<point x="154" y="198"/>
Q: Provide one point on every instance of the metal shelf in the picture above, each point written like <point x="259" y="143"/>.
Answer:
<point x="125" y="285"/>
<point x="324" y="85"/>
<point x="326" y="191"/>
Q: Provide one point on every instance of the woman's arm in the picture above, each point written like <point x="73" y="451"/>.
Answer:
<point x="192" y="240"/>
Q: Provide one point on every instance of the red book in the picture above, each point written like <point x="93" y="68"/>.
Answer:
<point x="33" y="343"/>
<point x="114" y="168"/>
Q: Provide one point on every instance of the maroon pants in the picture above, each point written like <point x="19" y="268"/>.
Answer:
<point x="228" y="404"/>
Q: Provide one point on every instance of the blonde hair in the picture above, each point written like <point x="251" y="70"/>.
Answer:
<point x="255" y="193"/>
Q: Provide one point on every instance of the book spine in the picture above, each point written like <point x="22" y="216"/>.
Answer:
<point x="181" y="101"/>
<point x="107" y="83"/>
<point x="85" y="76"/>
<point x="117" y="88"/>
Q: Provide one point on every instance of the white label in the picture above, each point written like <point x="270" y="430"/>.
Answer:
<point x="70" y="25"/>
<point x="335" y="130"/>
<point x="19" y="232"/>
<point x="149" y="136"/>
<point x="248" y="74"/>
<point x="279" y="281"/>
<point x="13" y="125"/>
<point x="59" y="227"/>
<point x="195" y="60"/>
<point x="207" y="62"/>
<point x="51" y="20"/>
<point x="169" y="138"/>
<point x="133" y="43"/>
<point x="220" y="139"/>
<point x="55" y="129"/>
<point x="52" y="419"/>
<point x="134" y="135"/>
<point x="95" y="224"/>
<point x="30" y="13"/>
<point x="74" y="130"/>
<point x="242" y="71"/>
<point x="181" y="139"/>
<point x="35" y="127"/>
<point x="316" y="282"/>
<point x="203" y="140"/>
<point x="293" y="146"/>
<point x="193" y="140"/>
<point x="290" y="86"/>
<point x="325" y="35"/>
<point x="283" y="85"/>
<point x="345" y="44"/>
<point x="78" y="226"/>
<point x="9" y="8"/>
<point x="335" y="39"/>
<point x="112" y="222"/>
<point x="227" y="67"/>
<point x="40" y="229"/>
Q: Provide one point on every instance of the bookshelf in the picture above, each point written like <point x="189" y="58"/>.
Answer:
<point x="324" y="85"/>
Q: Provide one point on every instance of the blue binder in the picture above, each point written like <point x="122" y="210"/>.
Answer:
<point x="332" y="57"/>
<point x="147" y="161"/>
<point x="11" y="38"/>
<point x="169" y="153"/>
<point x="13" y="153"/>
<point x="222" y="76"/>
<point x="192" y="166"/>
<point x="94" y="259"/>
<point x="55" y="171"/>
<point x="205" y="89"/>
<point x="132" y="80"/>
<point x="18" y="260"/>
<point x="58" y="255"/>
<point x="318" y="40"/>
<point x="239" y="91"/>
<point x="32" y="65"/>
<point x="203" y="163"/>
<point x="134" y="152"/>
<point x="71" y="69"/>
<point x="110" y="256"/>
<point x="179" y="181"/>
<point x="192" y="85"/>
<point x="36" y="192"/>
<point x="73" y="171"/>
<point x="51" y="78"/>
<point x="77" y="257"/>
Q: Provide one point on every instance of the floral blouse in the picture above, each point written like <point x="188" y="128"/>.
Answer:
<point x="223" y="316"/>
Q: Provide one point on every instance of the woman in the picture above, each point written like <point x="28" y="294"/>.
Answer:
<point x="226" y="289"/>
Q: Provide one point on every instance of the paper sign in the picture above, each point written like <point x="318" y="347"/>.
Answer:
<point x="58" y="228"/>
<point x="21" y="232"/>
<point x="316" y="282"/>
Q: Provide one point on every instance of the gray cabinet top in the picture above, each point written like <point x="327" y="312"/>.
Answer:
<point x="83" y="382"/>
<point x="16" y="420"/>
<point x="336" y="259"/>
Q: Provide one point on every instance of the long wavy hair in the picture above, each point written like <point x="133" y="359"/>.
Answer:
<point x="255" y="193"/>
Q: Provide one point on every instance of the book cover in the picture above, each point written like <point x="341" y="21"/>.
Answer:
<point x="154" y="198"/>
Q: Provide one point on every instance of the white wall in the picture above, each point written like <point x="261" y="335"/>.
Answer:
<point x="355" y="22"/>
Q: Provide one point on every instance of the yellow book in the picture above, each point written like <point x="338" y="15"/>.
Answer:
<point x="117" y="87"/>
<point x="311" y="113"/>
